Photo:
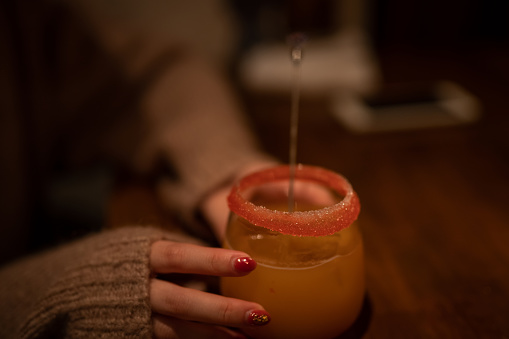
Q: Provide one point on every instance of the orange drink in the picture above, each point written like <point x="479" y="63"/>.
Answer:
<point x="310" y="273"/>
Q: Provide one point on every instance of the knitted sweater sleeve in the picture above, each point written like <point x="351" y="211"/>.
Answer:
<point x="192" y="117"/>
<point x="96" y="287"/>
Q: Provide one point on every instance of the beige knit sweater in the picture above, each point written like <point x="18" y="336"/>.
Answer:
<point x="87" y="84"/>
<point x="96" y="287"/>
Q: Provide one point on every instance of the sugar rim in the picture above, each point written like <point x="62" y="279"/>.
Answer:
<point x="325" y="221"/>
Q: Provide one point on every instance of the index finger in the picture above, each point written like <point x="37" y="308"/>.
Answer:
<point x="175" y="257"/>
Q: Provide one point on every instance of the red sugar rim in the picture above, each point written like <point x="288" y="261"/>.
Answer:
<point x="325" y="221"/>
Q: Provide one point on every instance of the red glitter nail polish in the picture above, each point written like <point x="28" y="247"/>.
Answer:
<point x="244" y="264"/>
<point x="258" y="318"/>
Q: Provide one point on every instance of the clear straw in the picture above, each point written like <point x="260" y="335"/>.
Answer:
<point x="296" y="42"/>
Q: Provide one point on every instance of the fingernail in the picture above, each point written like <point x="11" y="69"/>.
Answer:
<point x="244" y="264"/>
<point x="258" y="318"/>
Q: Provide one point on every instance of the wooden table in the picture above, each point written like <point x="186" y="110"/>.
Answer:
<point x="435" y="206"/>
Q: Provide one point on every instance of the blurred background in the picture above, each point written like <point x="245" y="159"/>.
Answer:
<point x="384" y="84"/>
<point x="374" y="72"/>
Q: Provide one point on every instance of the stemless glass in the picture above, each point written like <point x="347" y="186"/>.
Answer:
<point x="310" y="273"/>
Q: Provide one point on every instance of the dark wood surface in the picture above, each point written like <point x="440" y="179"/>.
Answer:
<point x="435" y="206"/>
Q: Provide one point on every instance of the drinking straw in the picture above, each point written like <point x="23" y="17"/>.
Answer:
<point x="296" y="42"/>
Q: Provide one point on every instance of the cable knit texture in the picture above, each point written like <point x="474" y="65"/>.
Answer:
<point x="93" y="288"/>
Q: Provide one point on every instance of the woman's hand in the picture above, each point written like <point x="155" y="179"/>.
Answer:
<point x="180" y="312"/>
<point x="214" y="207"/>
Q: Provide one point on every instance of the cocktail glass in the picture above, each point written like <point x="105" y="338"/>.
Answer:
<point x="310" y="272"/>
